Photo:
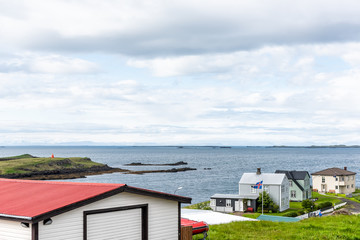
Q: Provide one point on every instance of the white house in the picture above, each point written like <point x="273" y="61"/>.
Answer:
<point x="275" y="184"/>
<point x="33" y="210"/>
<point x="334" y="180"/>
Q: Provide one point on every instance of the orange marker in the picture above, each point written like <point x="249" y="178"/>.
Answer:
<point x="52" y="156"/>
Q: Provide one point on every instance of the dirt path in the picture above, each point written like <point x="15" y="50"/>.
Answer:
<point x="352" y="206"/>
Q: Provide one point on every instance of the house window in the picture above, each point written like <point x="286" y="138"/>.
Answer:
<point x="212" y="202"/>
<point x="342" y="178"/>
<point x="323" y="179"/>
<point x="253" y="190"/>
<point x="352" y="178"/>
<point x="228" y="202"/>
<point x="249" y="203"/>
<point x="290" y="183"/>
<point x="293" y="194"/>
<point x="266" y="188"/>
<point x="336" y="187"/>
<point x="352" y="185"/>
<point x="347" y="186"/>
<point x="336" y="179"/>
<point x="347" y="178"/>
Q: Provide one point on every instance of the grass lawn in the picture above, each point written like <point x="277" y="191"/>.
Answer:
<point x="333" y="227"/>
<point x="355" y="198"/>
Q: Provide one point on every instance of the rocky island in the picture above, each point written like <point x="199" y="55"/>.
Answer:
<point x="50" y="168"/>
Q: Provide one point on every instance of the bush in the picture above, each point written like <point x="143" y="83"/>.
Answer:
<point x="291" y="214"/>
<point x="324" y="205"/>
<point x="301" y="212"/>
<point x="308" y="204"/>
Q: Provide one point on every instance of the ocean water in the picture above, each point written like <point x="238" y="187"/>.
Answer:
<point x="227" y="164"/>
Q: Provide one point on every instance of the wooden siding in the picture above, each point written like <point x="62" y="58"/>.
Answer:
<point x="10" y="230"/>
<point x="162" y="215"/>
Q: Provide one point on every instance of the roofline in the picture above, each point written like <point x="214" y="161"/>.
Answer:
<point x="123" y="188"/>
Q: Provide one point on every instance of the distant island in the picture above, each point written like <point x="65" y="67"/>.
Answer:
<point x="320" y="146"/>
<point x="27" y="166"/>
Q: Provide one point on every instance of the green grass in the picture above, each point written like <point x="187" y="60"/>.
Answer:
<point x="327" y="198"/>
<point x="28" y="164"/>
<point x="203" y="206"/>
<point x="333" y="227"/>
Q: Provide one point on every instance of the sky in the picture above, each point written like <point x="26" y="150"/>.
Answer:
<point x="164" y="72"/>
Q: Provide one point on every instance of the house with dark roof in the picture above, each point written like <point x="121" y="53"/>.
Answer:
<point x="275" y="184"/>
<point x="334" y="180"/>
<point x="299" y="181"/>
<point x="45" y="210"/>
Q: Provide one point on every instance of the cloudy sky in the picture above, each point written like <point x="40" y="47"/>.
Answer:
<point x="163" y="72"/>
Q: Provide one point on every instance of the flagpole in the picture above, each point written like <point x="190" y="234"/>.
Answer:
<point x="262" y="198"/>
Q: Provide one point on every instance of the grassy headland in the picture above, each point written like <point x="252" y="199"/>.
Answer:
<point x="30" y="167"/>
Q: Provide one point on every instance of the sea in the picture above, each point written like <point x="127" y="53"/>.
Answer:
<point x="219" y="169"/>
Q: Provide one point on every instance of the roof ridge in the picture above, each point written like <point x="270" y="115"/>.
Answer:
<point x="62" y="183"/>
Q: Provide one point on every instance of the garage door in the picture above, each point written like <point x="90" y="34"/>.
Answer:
<point x="122" y="223"/>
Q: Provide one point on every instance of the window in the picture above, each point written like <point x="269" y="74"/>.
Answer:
<point x="342" y="178"/>
<point x="352" y="178"/>
<point x="290" y="183"/>
<point x="323" y="179"/>
<point x="336" y="187"/>
<point x="253" y="190"/>
<point x="293" y="194"/>
<point x="266" y="188"/>
<point x="212" y="202"/>
<point x="347" y="178"/>
<point x="228" y="202"/>
<point x="249" y="203"/>
<point x="352" y="185"/>
<point x="347" y="186"/>
<point x="336" y="179"/>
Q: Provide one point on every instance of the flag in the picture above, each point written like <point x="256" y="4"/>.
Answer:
<point x="258" y="185"/>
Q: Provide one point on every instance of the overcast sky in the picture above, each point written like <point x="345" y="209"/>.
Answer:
<point x="136" y="72"/>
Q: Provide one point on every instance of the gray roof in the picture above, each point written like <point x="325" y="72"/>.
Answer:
<point x="234" y="196"/>
<point x="267" y="178"/>
<point x="294" y="175"/>
<point x="334" y="172"/>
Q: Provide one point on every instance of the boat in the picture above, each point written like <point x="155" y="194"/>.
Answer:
<point x="197" y="227"/>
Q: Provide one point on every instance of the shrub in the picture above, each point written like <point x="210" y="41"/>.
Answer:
<point x="308" y="204"/>
<point x="291" y="214"/>
<point x="324" y="205"/>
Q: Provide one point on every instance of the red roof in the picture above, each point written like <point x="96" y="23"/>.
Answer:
<point x="32" y="198"/>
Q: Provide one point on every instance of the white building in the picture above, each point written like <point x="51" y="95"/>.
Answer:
<point x="33" y="210"/>
<point x="275" y="184"/>
<point x="334" y="180"/>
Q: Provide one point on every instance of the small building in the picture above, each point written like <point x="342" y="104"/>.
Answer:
<point x="276" y="185"/>
<point x="47" y="210"/>
<point x="232" y="202"/>
<point x="334" y="180"/>
<point x="299" y="182"/>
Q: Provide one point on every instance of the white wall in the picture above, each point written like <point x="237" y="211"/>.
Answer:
<point x="11" y="230"/>
<point x="162" y="215"/>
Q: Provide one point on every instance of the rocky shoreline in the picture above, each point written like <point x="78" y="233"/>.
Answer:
<point x="156" y="164"/>
<point x="69" y="168"/>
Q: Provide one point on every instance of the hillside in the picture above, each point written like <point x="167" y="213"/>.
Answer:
<point x="30" y="167"/>
<point x="332" y="227"/>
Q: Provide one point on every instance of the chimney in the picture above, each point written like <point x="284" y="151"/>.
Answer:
<point x="345" y="168"/>
<point x="258" y="172"/>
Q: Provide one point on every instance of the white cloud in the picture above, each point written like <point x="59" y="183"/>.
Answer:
<point x="52" y="64"/>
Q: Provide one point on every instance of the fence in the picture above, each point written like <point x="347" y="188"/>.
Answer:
<point x="316" y="213"/>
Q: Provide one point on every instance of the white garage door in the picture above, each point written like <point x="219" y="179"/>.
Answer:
<point x="124" y="225"/>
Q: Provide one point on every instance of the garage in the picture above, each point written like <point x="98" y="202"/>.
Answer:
<point x="116" y="223"/>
